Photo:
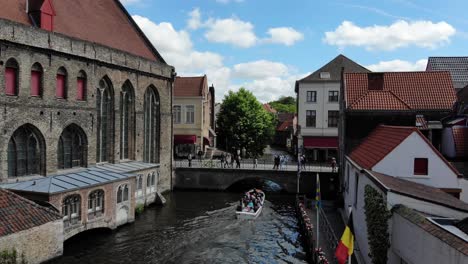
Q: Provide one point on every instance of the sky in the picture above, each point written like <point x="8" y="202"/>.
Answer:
<point x="266" y="45"/>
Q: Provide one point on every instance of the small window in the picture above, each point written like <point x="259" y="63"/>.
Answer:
<point x="36" y="80"/>
<point x="333" y="117"/>
<point x="332" y="96"/>
<point x="11" y="77"/>
<point x="310" y="118"/>
<point x="81" y="86"/>
<point x="420" y="166"/>
<point x="140" y="182"/>
<point x="311" y="96"/>
<point x="190" y="114"/>
<point x="324" y="75"/>
<point x="61" y="84"/>
<point x="177" y="114"/>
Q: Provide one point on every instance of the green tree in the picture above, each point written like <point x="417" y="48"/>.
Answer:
<point x="243" y="123"/>
<point x="286" y="104"/>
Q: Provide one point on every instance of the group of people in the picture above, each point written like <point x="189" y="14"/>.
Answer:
<point x="227" y="161"/>
<point x="280" y="161"/>
<point x="189" y="157"/>
<point x="251" y="201"/>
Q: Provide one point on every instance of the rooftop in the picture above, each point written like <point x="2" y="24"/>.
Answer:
<point x="460" y="138"/>
<point x="399" y="91"/>
<point x="82" y="178"/>
<point x="190" y="86"/>
<point x="457" y="66"/>
<point x="18" y="214"/>
<point x="106" y="23"/>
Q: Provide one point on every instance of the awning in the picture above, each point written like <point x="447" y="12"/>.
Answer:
<point x="321" y="142"/>
<point x="206" y="141"/>
<point x="185" y="139"/>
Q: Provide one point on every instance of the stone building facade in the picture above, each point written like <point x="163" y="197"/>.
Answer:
<point x="78" y="102"/>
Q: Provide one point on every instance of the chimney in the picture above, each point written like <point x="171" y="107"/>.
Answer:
<point x="375" y="81"/>
<point x="41" y="13"/>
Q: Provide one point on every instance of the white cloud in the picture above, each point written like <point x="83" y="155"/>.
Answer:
<point x="232" y="31"/>
<point x="194" y="21"/>
<point x="259" y="69"/>
<point x="270" y="88"/>
<point x="398" y="65"/>
<point x="284" y="35"/>
<point x="424" y="34"/>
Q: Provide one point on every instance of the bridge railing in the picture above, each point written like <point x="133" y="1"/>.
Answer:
<point x="262" y="164"/>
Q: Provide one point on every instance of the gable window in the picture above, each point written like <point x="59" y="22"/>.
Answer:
<point x="421" y="166"/>
<point x="333" y="117"/>
<point x="324" y="75"/>
<point x="11" y="77"/>
<point x="36" y="80"/>
<point x="190" y="114"/>
<point x="332" y="96"/>
<point x="310" y="118"/>
<point x="177" y="114"/>
<point x="311" y="96"/>
<point x="61" y="83"/>
<point x="81" y="86"/>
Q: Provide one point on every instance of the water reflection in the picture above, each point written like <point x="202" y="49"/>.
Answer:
<point x="197" y="227"/>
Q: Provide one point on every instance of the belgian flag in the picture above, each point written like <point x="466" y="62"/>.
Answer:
<point x="346" y="246"/>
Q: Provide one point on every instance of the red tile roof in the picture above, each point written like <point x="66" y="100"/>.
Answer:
<point x="285" y="125"/>
<point x="105" y="22"/>
<point x="421" y="122"/>
<point x="382" y="141"/>
<point x="269" y="109"/>
<point x="401" y="91"/>
<point x="18" y="214"/>
<point x="460" y="137"/>
<point x="190" y="86"/>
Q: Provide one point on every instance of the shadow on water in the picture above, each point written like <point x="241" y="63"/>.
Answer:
<point x="197" y="227"/>
<point x="259" y="183"/>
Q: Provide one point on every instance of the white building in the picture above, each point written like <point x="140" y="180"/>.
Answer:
<point x="318" y="97"/>
<point x="418" y="186"/>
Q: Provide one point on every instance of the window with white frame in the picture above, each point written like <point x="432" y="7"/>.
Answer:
<point x="311" y="96"/>
<point x="177" y="114"/>
<point x="189" y="114"/>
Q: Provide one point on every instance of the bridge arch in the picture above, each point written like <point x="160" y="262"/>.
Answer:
<point x="254" y="181"/>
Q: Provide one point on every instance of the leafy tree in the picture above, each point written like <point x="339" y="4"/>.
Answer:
<point x="243" y="123"/>
<point x="286" y="104"/>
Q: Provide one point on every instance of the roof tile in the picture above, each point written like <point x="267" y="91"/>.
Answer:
<point x="460" y="137"/>
<point x="190" y="86"/>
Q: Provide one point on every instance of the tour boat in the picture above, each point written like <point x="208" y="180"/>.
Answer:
<point x="252" y="215"/>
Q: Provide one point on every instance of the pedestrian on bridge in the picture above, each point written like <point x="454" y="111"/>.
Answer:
<point x="189" y="159"/>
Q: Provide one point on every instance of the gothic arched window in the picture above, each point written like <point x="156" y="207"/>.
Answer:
<point x="36" y="80"/>
<point x="73" y="148"/>
<point x="127" y="122"/>
<point x="151" y="126"/>
<point x="105" y="128"/>
<point x="11" y="77"/>
<point x="26" y="152"/>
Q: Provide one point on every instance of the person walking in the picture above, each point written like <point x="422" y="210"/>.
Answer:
<point x="333" y="164"/>
<point x="189" y="159"/>
<point x="303" y="161"/>
<point x="238" y="162"/>
<point x="255" y="162"/>
<point x="222" y="160"/>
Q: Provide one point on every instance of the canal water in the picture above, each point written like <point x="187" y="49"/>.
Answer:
<point x="196" y="227"/>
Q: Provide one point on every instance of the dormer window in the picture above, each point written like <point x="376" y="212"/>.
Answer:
<point x="324" y="75"/>
<point x="421" y="166"/>
<point x="41" y="13"/>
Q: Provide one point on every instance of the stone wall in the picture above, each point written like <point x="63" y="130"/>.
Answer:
<point x="37" y="244"/>
<point x="28" y="45"/>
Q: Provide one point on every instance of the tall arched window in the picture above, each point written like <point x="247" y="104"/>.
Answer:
<point x="127" y="122"/>
<point x="105" y="131"/>
<point x="11" y="77"/>
<point x="95" y="204"/>
<point x="72" y="148"/>
<point x="61" y="83"/>
<point x="71" y="209"/>
<point x="81" y="89"/>
<point x="151" y="126"/>
<point x="122" y="193"/>
<point x="36" y="80"/>
<point x="26" y="152"/>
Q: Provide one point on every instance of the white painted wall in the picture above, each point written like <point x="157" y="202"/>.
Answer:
<point x="464" y="187"/>
<point x="415" y="245"/>
<point x="322" y="106"/>
<point x="400" y="163"/>
<point x="448" y="144"/>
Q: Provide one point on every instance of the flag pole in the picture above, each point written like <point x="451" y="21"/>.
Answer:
<point x="317" y="206"/>
<point x="350" y="208"/>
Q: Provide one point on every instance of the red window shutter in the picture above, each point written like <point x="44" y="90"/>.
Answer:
<point x="10" y="81"/>
<point x="47" y="22"/>
<point x="36" y="83"/>
<point x="60" y="92"/>
<point x="81" y="89"/>
<point x="420" y="166"/>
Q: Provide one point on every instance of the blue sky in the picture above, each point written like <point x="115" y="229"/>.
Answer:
<point x="265" y="46"/>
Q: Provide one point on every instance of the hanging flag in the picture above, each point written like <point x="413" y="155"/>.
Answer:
<point x="345" y="247"/>
<point x="318" y="201"/>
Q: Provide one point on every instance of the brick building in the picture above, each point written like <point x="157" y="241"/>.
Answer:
<point x="86" y="110"/>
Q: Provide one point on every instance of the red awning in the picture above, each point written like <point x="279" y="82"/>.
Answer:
<point x="206" y="141"/>
<point x="185" y="139"/>
<point x="321" y="142"/>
